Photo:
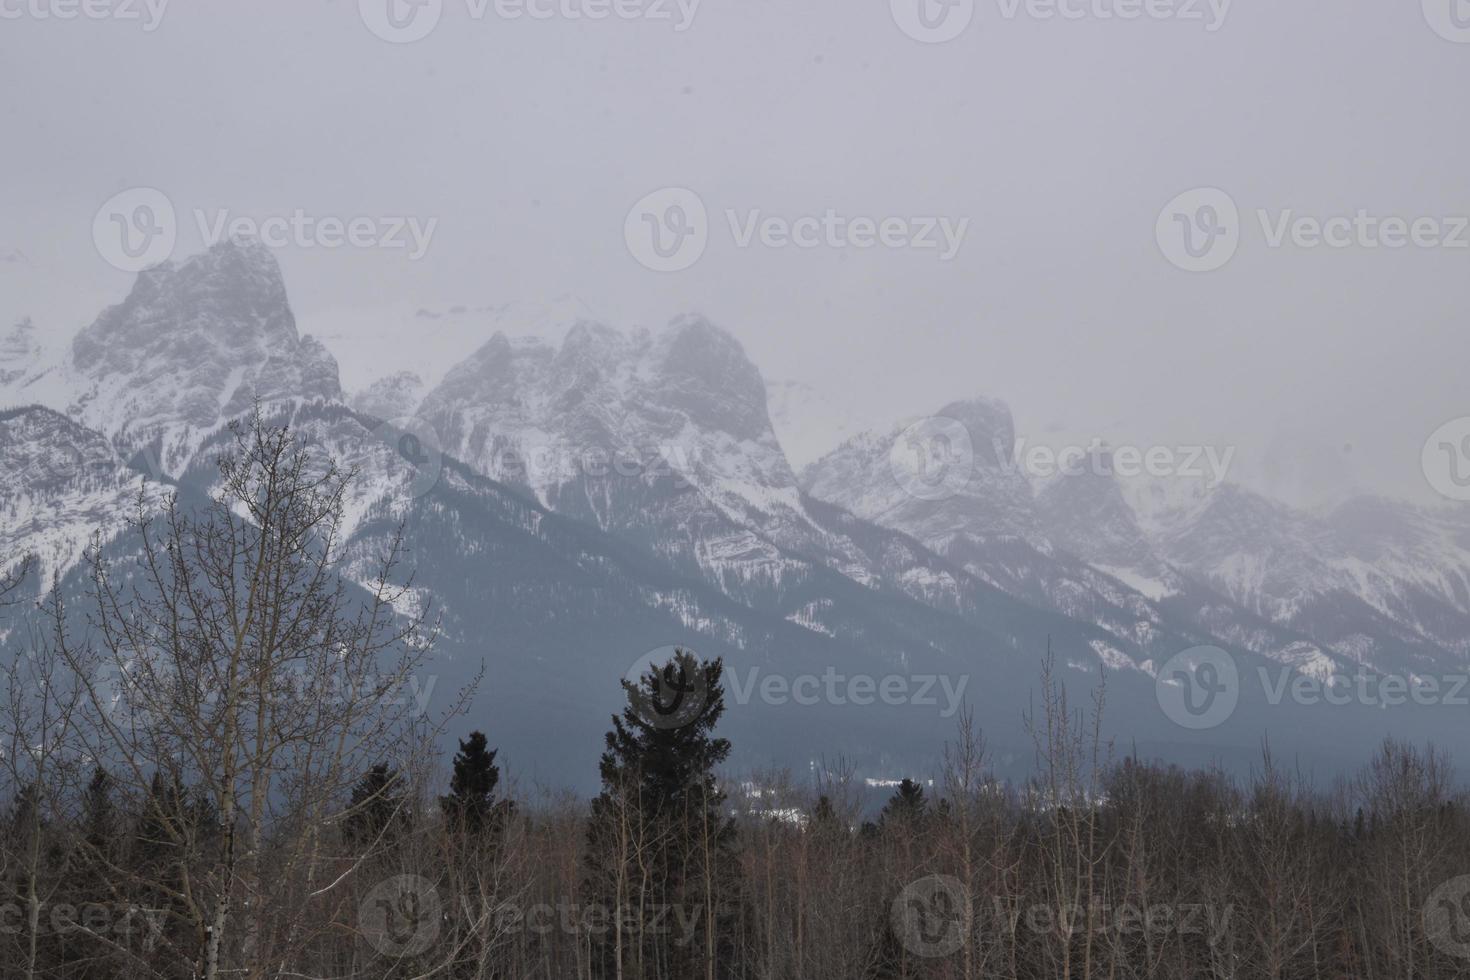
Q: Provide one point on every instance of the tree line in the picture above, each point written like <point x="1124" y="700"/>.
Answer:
<point x="207" y="771"/>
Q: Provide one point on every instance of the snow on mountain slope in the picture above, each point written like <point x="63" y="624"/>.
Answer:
<point x="61" y="485"/>
<point x="395" y="396"/>
<point x="1376" y="577"/>
<point x="897" y="478"/>
<point x="20" y="353"/>
<point x="685" y="406"/>
<point x="193" y="345"/>
<point x="1375" y="582"/>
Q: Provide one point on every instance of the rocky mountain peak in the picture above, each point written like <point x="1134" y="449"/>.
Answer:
<point x="195" y="343"/>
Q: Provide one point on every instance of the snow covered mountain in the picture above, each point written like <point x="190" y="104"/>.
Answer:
<point x="666" y="512"/>
<point x="568" y="507"/>
<point x="1375" y="583"/>
<point x="194" y="344"/>
<point x="60" y="484"/>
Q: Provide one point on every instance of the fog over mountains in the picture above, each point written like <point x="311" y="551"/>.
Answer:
<point x="570" y="506"/>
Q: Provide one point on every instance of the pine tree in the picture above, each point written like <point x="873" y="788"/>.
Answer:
<point x="470" y="807"/>
<point x="657" y="837"/>
<point x="907" y="806"/>
<point x="377" y="812"/>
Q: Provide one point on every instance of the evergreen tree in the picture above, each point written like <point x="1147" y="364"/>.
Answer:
<point x="377" y="811"/>
<point x="99" y="819"/>
<point x="470" y="805"/>
<point x="907" y="806"/>
<point x="657" y="836"/>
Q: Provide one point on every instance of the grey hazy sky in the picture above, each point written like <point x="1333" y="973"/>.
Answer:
<point x="1059" y="141"/>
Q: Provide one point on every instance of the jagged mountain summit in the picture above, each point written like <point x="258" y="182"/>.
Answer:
<point x="194" y="344"/>
<point x="1376" y="584"/>
<point x="569" y="507"/>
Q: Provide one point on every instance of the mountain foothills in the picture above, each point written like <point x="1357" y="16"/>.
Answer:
<point x="569" y="508"/>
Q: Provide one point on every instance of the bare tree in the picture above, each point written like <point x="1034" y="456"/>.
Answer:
<point x="235" y="668"/>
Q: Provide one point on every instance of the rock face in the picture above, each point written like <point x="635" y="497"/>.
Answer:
<point x="687" y="400"/>
<point x="1375" y="583"/>
<point x="195" y="344"/>
<point x="60" y="483"/>
<point x="888" y="477"/>
<point x="568" y="507"/>
<point x="392" y="397"/>
<point x="20" y="353"/>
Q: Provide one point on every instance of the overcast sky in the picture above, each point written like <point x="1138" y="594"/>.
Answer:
<point x="1060" y="141"/>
